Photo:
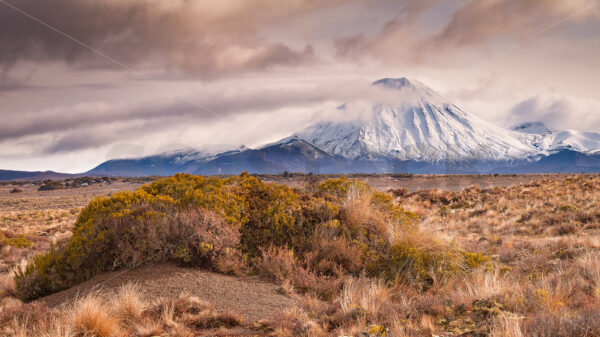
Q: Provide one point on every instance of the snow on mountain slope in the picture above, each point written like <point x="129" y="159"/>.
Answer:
<point x="552" y="141"/>
<point x="587" y="142"/>
<point x="418" y="125"/>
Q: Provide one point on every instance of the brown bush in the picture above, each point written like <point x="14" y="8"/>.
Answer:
<point x="281" y="265"/>
<point x="329" y="256"/>
<point x="585" y="323"/>
<point x="193" y="237"/>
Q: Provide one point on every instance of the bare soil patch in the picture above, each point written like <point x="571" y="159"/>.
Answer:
<point x="250" y="297"/>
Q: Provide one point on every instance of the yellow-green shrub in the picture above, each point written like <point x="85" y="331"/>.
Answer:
<point x="20" y="241"/>
<point x="121" y="230"/>
<point x="339" y="188"/>
<point x="341" y="227"/>
<point x="421" y="263"/>
<point x="192" y="236"/>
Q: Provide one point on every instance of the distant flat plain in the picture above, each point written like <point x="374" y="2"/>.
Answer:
<point x="419" y="182"/>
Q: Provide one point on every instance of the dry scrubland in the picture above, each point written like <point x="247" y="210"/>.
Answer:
<point x="32" y="220"/>
<point x="504" y="261"/>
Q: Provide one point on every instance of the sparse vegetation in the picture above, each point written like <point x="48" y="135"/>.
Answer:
<point x="20" y="241"/>
<point x="514" y="261"/>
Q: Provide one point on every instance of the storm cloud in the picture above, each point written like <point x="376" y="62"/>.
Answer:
<point x="204" y="39"/>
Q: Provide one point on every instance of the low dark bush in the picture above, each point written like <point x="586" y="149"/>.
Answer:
<point x="50" y="185"/>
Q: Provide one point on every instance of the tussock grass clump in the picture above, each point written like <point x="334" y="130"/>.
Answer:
<point x="127" y="304"/>
<point x="90" y="316"/>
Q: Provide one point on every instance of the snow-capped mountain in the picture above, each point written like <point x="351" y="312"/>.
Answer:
<point x="419" y="125"/>
<point x="408" y="129"/>
<point x="550" y="141"/>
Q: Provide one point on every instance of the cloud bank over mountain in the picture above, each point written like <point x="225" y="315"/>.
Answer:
<point x="191" y="72"/>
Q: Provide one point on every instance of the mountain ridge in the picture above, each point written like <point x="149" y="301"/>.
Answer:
<point x="415" y="130"/>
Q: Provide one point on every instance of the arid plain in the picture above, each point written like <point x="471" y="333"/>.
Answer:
<point x="514" y="255"/>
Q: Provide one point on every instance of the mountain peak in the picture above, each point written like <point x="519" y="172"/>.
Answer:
<point x="394" y="83"/>
<point x="538" y="128"/>
<point x="416" y="124"/>
<point x="411" y="87"/>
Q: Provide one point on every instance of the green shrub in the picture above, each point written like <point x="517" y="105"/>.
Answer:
<point x="339" y="227"/>
<point x="274" y="217"/>
<point x="193" y="236"/>
<point x="20" y="241"/>
<point x="340" y="187"/>
<point x="121" y="230"/>
<point x="422" y="262"/>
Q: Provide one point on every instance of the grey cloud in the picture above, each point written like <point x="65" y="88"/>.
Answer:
<point x="95" y="136"/>
<point x="351" y="47"/>
<point x="210" y="105"/>
<point x="479" y="21"/>
<point x="395" y="38"/>
<point x="93" y="125"/>
<point x="125" y="150"/>
<point x="78" y="140"/>
<point x="403" y="40"/>
<point x="558" y="112"/>
<point x="59" y="119"/>
<point x="536" y="109"/>
<point x="195" y="38"/>
<point x="9" y="82"/>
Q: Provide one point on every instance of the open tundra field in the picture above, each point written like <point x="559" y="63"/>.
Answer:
<point x="300" y="255"/>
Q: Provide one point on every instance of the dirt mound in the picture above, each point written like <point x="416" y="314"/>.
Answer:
<point x="250" y="297"/>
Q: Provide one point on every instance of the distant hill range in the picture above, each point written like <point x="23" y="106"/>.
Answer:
<point x="37" y="175"/>
<point x="414" y="131"/>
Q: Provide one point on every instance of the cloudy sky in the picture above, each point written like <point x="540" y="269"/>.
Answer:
<point x="83" y="81"/>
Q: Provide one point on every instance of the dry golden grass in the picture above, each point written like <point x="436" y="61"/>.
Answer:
<point x="543" y="277"/>
<point x="90" y="316"/>
<point x="124" y="313"/>
<point x="128" y="305"/>
<point x="367" y="295"/>
<point x="542" y="280"/>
